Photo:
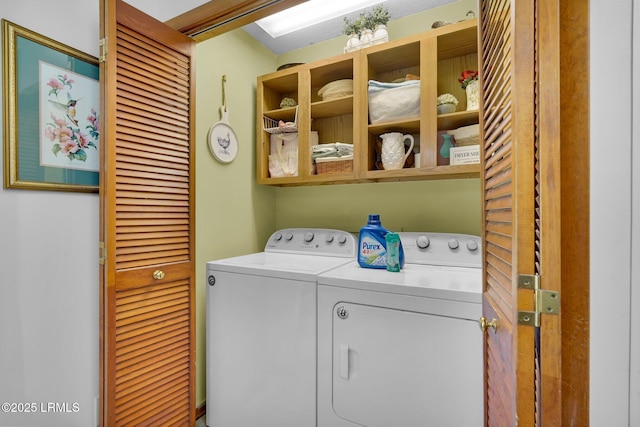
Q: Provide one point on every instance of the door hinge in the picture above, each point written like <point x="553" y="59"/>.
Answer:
<point x="546" y="302"/>
<point x="102" y="257"/>
<point x="103" y="50"/>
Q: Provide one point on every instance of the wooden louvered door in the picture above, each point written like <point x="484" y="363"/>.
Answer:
<point x="507" y="120"/>
<point x="147" y="210"/>
<point x="535" y="210"/>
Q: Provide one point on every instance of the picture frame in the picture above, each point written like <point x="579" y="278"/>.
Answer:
<point x="51" y="113"/>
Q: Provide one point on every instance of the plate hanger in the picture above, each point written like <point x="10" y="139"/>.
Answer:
<point x="223" y="142"/>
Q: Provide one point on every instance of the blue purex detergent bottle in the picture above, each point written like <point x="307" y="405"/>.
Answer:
<point x="372" y="246"/>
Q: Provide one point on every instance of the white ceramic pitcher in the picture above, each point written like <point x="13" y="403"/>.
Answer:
<point x="393" y="153"/>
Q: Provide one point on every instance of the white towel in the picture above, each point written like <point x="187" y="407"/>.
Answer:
<point x="336" y="149"/>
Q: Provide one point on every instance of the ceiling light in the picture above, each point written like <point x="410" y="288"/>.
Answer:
<point x="310" y="13"/>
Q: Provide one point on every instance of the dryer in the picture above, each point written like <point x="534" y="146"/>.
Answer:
<point x="403" y="349"/>
<point x="261" y="329"/>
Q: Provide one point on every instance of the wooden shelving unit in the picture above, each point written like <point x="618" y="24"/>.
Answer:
<point x="438" y="56"/>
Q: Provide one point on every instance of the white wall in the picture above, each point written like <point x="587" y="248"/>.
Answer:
<point x="611" y="221"/>
<point x="48" y="265"/>
<point x="634" y="394"/>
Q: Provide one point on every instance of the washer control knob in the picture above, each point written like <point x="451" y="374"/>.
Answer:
<point x="277" y="237"/>
<point x="423" y="242"/>
<point x="342" y="239"/>
<point x="472" y="245"/>
<point x="453" y="244"/>
<point x="329" y="238"/>
<point x="308" y="236"/>
<point x="288" y="236"/>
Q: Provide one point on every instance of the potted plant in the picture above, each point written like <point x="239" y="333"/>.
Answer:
<point x="352" y="30"/>
<point x="447" y="103"/>
<point x="377" y="21"/>
<point x="371" y="28"/>
<point x="466" y="77"/>
<point x="378" y="16"/>
<point x="351" y="27"/>
<point x="469" y="82"/>
<point x="362" y="24"/>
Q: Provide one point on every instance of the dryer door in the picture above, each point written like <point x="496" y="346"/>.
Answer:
<point x="405" y="369"/>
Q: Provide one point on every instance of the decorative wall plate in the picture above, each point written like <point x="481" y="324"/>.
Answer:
<point x="223" y="141"/>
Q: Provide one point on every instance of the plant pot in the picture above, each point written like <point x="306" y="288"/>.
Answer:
<point x="353" y="41"/>
<point x="380" y="34"/>
<point x="473" y="95"/>
<point x="446" y="108"/>
<point x="366" y="38"/>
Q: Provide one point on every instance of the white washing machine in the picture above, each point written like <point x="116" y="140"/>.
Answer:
<point x="403" y="349"/>
<point x="261" y="329"/>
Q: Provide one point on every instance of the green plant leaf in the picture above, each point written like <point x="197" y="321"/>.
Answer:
<point x="79" y="155"/>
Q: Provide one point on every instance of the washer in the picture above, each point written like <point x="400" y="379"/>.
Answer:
<point x="261" y="329"/>
<point x="403" y="349"/>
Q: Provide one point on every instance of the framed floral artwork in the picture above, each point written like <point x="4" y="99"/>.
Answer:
<point x="51" y="114"/>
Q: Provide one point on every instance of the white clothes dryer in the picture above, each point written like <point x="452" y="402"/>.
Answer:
<point x="403" y="349"/>
<point x="261" y="329"/>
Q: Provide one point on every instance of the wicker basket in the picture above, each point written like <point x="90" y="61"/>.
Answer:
<point x="328" y="166"/>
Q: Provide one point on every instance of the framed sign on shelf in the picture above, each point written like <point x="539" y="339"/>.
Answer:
<point x="51" y="114"/>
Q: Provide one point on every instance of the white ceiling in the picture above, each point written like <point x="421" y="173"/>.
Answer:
<point x="164" y="10"/>
<point x="334" y="28"/>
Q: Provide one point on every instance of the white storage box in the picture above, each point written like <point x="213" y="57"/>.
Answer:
<point x="393" y="101"/>
<point x="465" y="155"/>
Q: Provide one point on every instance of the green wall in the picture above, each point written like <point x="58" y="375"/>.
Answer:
<point x="449" y="205"/>
<point x="235" y="216"/>
<point x="446" y="206"/>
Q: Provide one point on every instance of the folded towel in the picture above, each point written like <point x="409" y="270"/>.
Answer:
<point x="323" y="148"/>
<point x="342" y="146"/>
<point x="315" y="156"/>
<point x="336" y="149"/>
<point x="375" y="86"/>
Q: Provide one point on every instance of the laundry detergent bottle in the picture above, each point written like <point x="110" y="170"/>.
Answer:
<point x="372" y="246"/>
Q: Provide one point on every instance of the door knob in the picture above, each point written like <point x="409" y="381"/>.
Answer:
<point x="158" y="274"/>
<point x="484" y="324"/>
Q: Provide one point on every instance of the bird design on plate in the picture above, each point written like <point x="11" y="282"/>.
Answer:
<point x="224" y="143"/>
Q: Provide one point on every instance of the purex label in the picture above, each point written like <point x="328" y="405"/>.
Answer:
<point x="372" y="252"/>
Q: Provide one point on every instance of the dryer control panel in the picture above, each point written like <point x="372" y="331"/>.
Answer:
<point x="313" y="241"/>
<point x="450" y="249"/>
